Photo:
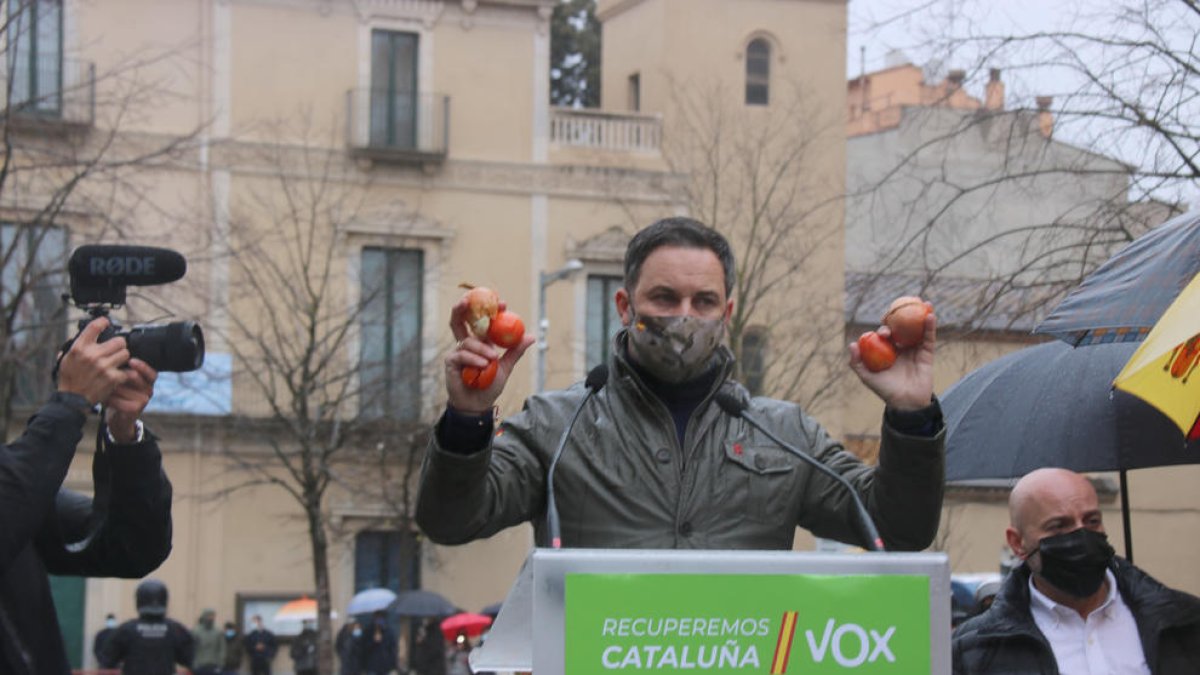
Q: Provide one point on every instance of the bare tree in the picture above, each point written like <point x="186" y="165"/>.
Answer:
<point x="756" y="175"/>
<point x="1026" y="198"/>
<point x="69" y="165"/>
<point x="328" y="395"/>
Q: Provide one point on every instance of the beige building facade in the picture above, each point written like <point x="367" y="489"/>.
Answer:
<point x="418" y="136"/>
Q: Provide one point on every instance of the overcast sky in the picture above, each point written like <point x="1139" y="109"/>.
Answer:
<point x="923" y="30"/>
<point x="920" y="29"/>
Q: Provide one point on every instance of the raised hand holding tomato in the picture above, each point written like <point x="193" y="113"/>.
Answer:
<point x="476" y="371"/>
<point x="906" y="384"/>
<point x="488" y="320"/>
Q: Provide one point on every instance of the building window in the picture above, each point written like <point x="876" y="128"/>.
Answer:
<point x="754" y="360"/>
<point x="603" y="321"/>
<point x="31" y="286"/>
<point x="393" y="89"/>
<point x="387" y="559"/>
<point x="390" y="368"/>
<point x="635" y="92"/>
<point x="35" y="55"/>
<point x="758" y="72"/>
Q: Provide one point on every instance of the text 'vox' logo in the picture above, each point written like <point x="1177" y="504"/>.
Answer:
<point x="848" y="644"/>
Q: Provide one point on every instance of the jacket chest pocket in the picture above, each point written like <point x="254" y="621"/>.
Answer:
<point x="762" y="480"/>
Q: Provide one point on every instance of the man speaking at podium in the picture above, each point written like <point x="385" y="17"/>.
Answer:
<point x="651" y="460"/>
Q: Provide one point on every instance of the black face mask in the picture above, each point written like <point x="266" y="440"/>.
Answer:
<point x="1075" y="562"/>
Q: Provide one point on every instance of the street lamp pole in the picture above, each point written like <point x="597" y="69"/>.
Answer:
<point x="543" y="327"/>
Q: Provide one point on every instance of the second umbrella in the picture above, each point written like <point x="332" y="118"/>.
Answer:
<point x="423" y="603"/>
<point x="1053" y="405"/>
<point x="370" y="600"/>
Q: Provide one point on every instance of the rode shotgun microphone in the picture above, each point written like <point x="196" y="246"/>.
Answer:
<point x="734" y="400"/>
<point x="594" y="382"/>
<point x="100" y="272"/>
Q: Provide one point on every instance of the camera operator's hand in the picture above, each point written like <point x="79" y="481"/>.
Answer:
<point x="126" y="403"/>
<point x="93" y="369"/>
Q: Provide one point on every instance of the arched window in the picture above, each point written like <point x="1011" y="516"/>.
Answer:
<point x="758" y="72"/>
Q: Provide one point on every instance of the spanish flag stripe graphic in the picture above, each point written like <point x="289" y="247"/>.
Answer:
<point x="783" y="647"/>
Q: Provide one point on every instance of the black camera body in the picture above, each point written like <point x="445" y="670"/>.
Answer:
<point x="176" y="347"/>
<point x="99" y="276"/>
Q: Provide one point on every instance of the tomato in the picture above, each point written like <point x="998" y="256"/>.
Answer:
<point x="877" y="353"/>
<point x="506" y="330"/>
<point x="476" y="378"/>
<point x="906" y="319"/>
<point x="482" y="304"/>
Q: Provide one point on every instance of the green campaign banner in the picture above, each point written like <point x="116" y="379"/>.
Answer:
<point x="729" y="623"/>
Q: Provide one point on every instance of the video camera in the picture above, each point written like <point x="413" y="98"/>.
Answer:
<point x="99" y="275"/>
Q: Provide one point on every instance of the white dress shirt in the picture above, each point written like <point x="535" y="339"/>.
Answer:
<point x="1106" y="643"/>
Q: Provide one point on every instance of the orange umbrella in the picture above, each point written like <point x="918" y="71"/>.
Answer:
<point x="303" y="609"/>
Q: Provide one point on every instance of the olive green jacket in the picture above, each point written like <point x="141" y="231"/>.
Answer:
<point x="623" y="480"/>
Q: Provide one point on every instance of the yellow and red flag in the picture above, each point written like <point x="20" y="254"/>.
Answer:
<point x="1165" y="370"/>
<point x="783" y="646"/>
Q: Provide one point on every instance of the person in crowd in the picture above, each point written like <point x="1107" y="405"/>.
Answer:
<point x="233" y="650"/>
<point x="102" y="635"/>
<point x="349" y="646"/>
<point x="1073" y="606"/>
<point x="429" y="654"/>
<point x="304" y="650"/>
<point x="957" y="616"/>
<point x="985" y="595"/>
<point x="151" y="644"/>
<point x="458" y="661"/>
<point x="379" y="652"/>
<point x="652" y="461"/>
<point x="210" y="645"/>
<point x="123" y="530"/>
<point x="261" y="646"/>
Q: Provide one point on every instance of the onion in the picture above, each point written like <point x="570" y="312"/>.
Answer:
<point x="906" y="319"/>
<point x="482" y="305"/>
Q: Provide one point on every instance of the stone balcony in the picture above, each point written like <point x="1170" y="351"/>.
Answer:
<point x="48" y="95"/>
<point x="598" y="137"/>
<point x="398" y="126"/>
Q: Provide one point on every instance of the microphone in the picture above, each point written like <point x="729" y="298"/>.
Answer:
<point x="594" y="382"/>
<point x="100" y="266"/>
<point x="734" y="400"/>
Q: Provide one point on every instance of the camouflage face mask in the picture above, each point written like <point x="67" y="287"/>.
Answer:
<point x="674" y="349"/>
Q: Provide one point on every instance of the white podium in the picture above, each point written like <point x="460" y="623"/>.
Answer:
<point x="582" y="611"/>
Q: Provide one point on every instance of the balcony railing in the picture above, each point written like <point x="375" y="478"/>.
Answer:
<point x="49" y="90"/>
<point x="398" y="126"/>
<point x="622" y="132"/>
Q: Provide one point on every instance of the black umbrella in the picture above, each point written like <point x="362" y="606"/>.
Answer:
<point x="1123" y="299"/>
<point x="492" y="610"/>
<point x="422" y="603"/>
<point x="1052" y="405"/>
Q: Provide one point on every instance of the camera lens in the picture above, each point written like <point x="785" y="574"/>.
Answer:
<point x="174" y="347"/>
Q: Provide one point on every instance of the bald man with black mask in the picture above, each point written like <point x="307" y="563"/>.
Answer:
<point x="1073" y="606"/>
